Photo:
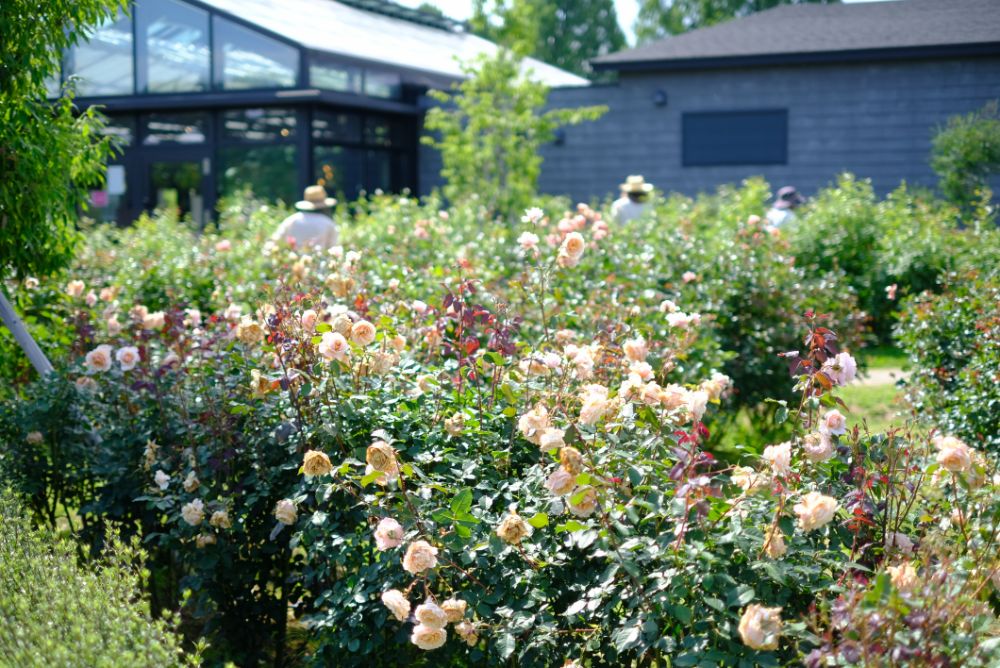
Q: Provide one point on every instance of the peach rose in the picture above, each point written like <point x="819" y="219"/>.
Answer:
<point x="420" y="556"/>
<point x="904" y="577"/>
<point x="316" y="463"/>
<point x="454" y="608"/>
<point x="430" y="614"/>
<point x="193" y="512"/>
<point x="333" y="346"/>
<point x="574" y="245"/>
<point x="561" y="482"/>
<point x="748" y="479"/>
<point x="381" y="456"/>
<point x="75" y="288"/>
<point x="534" y="423"/>
<point x="427" y="637"/>
<point x="98" y="359"/>
<point x="286" y="512"/>
<point x="636" y="349"/>
<point x="191" y="482"/>
<point x="833" y="422"/>
<point x="818" y="447"/>
<point x="774" y="545"/>
<point x="220" y="520"/>
<point x="815" y="510"/>
<point x="513" y="529"/>
<point x="127" y="357"/>
<point x="154" y="320"/>
<point x="204" y="539"/>
<point x="571" y="459"/>
<point x="551" y="439"/>
<point x="953" y="454"/>
<point x="388" y="534"/>
<point x="467" y="632"/>
<point x="363" y="333"/>
<point x="397" y="604"/>
<point x="779" y="457"/>
<point x="760" y="627"/>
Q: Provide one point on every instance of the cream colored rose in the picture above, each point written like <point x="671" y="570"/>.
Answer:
<point x="382" y="362"/>
<point x="574" y="245"/>
<point x="513" y="529"/>
<point x="286" y="512"/>
<point x="75" y="288"/>
<point x="127" y="357"/>
<point x="308" y="319"/>
<point x="467" y="632"/>
<point x="162" y="480"/>
<point x="953" y="454"/>
<point x="748" y="479"/>
<point x="898" y="541"/>
<point x="561" y="482"/>
<point x="316" y="463"/>
<point x="34" y="438"/>
<point x="534" y="423"/>
<point x="249" y="331"/>
<point x="191" y="482"/>
<point x="203" y="539"/>
<point x="363" y="333"/>
<point x="779" y="457"/>
<point x="154" y="320"/>
<point x="774" y="544"/>
<point x="636" y="349"/>
<point x="815" y="510"/>
<point x="594" y="408"/>
<point x="455" y="424"/>
<point x="220" y="520"/>
<point x="420" y="556"/>
<point x="430" y="614"/>
<point x="454" y="608"/>
<point x="398" y="343"/>
<point x="583" y="503"/>
<point x="193" y="512"/>
<point x="333" y="346"/>
<point x="904" y="577"/>
<point x="817" y="446"/>
<point x="760" y="627"/>
<point x="99" y="359"/>
<point x="551" y="439"/>
<point x="149" y="454"/>
<point x="381" y="457"/>
<point x="696" y="402"/>
<point x="397" y="604"/>
<point x="342" y="324"/>
<point x="571" y="460"/>
<point x="427" y="637"/>
<point x="833" y="422"/>
<point x="114" y="327"/>
<point x="388" y="534"/>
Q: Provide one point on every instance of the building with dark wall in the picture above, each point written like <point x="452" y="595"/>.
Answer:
<point x="796" y="94"/>
<point x="212" y="96"/>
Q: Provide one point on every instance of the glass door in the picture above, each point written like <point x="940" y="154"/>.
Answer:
<point x="179" y="183"/>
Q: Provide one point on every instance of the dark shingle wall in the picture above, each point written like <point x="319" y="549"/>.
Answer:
<point x="875" y="120"/>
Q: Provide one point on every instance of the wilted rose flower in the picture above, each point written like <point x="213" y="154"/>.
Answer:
<point x="204" y="539"/>
<point x="454" y="608"/>
<point x="534" y="423"/>
<point x="636" y="349"/>
<point x="953" y="454"/>
<point x="689" y="276"/>
<point x="86" y="384"/>
<point x="513" y="529"/>
<point x="191" y="482"/>
<point x="748" y="479"/>
<point x="362" y="333"/>
<point x="779" y="457"/>
<point x="815" y="510"/>
<point x="841" y="369"/>
<point x="397" y="604"/>
<point x="420" y="556"/>
<point x="467" y="632"/>
<point x="161" y="479"/>
<point x="583" y="502"/>
<point x="454" y="424"/>
<point x="430" y="614"/>
<point x="98" y="359"/>
<point x="388" y="534"/>
<point x="127" y="357"/>
<point x="818" y="446"/>
<point x="381" y="456"/>
<point x="551" y="439"/>
<point x="193" y="512"/>
<point x="774" y="545"/>
<point x="833" y="422"/>
<point x="904" y="577"/>
<point x="315" y="463"/>
<point x="760" y="627"/>
<point x="286" y="512"/>
<point x="571" y="459"/>
<point x="561" y="482"/>
<point x="249" y="331"/>
<point x="75" y="288"/>
<point x="220" y="520"/>
<point x="427" y="637"/>
<point x="898" y="541"/>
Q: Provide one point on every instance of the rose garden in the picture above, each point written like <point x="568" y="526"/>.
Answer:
<point x="492" y="427"/>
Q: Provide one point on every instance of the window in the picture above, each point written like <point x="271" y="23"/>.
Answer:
<point x="172" y="47"/>
<point x="379" y="171"/>
<point x="122" y="128"/>
<point x="339" y="170"/>
<point x="328" y="74"/>
<point x="259" y="124"/>
<point x="735" y="138"/>
<point x="383" y="84"/>
<point x="246" y="59"/>
<point x="174" y="129"/>
<point x="336" y="127"/>
<point x="270" y="171"/>
<point x="104" y="62"/>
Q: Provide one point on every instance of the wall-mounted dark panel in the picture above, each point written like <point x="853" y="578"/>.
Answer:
<point x="758" y="137"/>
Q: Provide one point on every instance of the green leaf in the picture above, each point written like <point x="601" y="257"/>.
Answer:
<point x="462" y="502"/>
<point x="570" y="526"/>
<point x="539" y="520"/>
<point x="506" y="645"/>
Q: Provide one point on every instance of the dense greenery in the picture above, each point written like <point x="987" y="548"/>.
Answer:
<point x="966" y="155"/>
<point x="57" y="612"/>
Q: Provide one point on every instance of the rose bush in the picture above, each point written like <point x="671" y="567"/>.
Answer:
<point x="446" y="445"/>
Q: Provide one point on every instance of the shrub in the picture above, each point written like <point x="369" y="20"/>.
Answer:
<point x="953" y="341"/>
<point x="966" y="153"/>
<point x="59" y="612"/>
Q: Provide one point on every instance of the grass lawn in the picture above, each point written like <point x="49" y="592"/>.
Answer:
<point x="876" y="404"/>
<point x="882" y="357"/>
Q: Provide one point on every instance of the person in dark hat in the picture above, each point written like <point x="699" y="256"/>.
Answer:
<point x="311" y="225"/>
<point x="634" y="199"/>
<point x="787" y="200"/>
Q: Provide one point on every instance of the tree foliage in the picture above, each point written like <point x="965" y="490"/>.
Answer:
<point x="658" y="18"/>
<point x="49" y="153"/>
<point x="489" y="130"/>
<point x="564" y="34"/>
<point x="966" y="153"/>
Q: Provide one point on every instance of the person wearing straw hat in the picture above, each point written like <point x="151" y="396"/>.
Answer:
<point x="787" y="200"/>
<point x="634" y="199"/>
<point x="311" y="225"/>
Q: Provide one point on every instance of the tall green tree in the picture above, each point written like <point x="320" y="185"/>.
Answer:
<point x="659" y="18"/>
<point x="489" y="129"/>
<point x="966" y="155"/>
<point x="50" y="152"/>
<point x="564" y="34"/>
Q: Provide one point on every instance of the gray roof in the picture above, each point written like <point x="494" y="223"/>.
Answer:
<point x="802" y="33"/>
<point x="339" y="29"/>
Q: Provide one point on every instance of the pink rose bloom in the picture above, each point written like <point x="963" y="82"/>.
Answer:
<point x="333" y="346"/>
<point x="308" y="319"/>
<point x="833" y="422"/>
<point x="566" y="226"/>
<point x="114" y="327"/>
<point x="388" y="534"/>
<point x="128" y="357"/>
<point x="91" y="298"/>
<point x="890" y="291"/>
<point x="75" y="288"/>
<point x="223" y="246"/>
<point x="689" y="276"/>
<point x="418" y="307"/>
<point x="528" y="241"/>
<point x="679" y="319"/>
<point x="98" y="359"/>
<point x="841" y="369"/>
<point x="753" y="220"/>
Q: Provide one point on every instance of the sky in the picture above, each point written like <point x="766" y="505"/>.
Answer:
<point x="627" y="11"/>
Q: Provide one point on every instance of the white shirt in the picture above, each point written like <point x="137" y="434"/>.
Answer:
<point x="624" y="209"/>
<point x="779" y="217"/>
<point x="307" y="228"/>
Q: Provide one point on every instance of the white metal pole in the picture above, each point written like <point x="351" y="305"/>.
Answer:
<point x="23" y="337"/>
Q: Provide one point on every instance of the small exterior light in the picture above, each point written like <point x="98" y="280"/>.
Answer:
<point x="559" y="138"/>
<point x="660" y="98"/>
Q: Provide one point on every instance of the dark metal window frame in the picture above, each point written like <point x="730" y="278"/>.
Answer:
<point x="689" y="160"/>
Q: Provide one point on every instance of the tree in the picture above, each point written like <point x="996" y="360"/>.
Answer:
<point x="50" y="154"/>
<point x="658" y="18"/>
<point x="966" y="153"/>
<point x="489" y="130"/>
<point x="564" y="34"/>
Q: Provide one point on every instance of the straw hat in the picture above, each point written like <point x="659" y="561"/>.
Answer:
<point x="635" y="184"/>
<point x="314" y="198"/>
<point x="788" y="198"/>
